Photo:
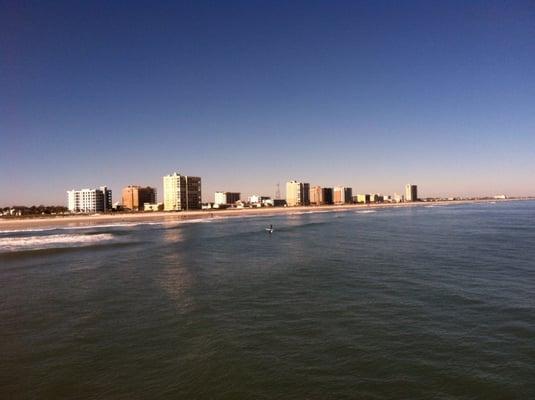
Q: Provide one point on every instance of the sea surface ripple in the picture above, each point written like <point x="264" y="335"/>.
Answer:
<point x="400" y="303"/>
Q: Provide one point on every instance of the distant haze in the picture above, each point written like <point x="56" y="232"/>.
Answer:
<point x="371" y="95"/>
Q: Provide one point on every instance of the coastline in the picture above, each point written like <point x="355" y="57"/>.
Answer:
<point x="162" y="216"/>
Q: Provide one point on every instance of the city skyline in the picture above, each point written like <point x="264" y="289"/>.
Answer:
<point x="365" y="95"/>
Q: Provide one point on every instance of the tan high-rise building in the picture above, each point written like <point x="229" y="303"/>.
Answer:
<point x="134" y="197"/>
<point x="181" y="192"/>
<point x="297" y="194"/>
<point x="411" y="192"/>
<point x="342" y="195"/>
<point x="316" y="195"/>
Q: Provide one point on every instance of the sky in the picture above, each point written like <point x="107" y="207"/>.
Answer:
<point x="248" y="94"/>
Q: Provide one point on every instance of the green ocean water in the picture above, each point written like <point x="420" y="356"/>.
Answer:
<point x="399" y="303"/>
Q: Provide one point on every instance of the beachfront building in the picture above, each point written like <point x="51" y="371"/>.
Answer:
<point x="278" y="202"/>
<point x="327" y="195"/>
<point x="153" y="207"/>
<point x="226" y="198"/>
<point x="342" y="195"/>
<point x="411" y="192"/>
<point x="181" y="192"/>
<point x="316" y="196"/>
<point x="89" y="200"/>
<point x="363" y="198"/>
<point x="297" y="194"/>
<point x="134" y="197"/>
<point x="259" y="201"/>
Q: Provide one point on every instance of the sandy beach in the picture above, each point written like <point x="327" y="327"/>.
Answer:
<point x="151" y="217"/>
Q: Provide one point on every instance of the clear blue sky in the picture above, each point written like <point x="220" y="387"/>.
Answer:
<point x="247" y="94"/>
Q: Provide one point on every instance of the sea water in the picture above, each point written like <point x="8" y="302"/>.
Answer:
<point x="413" y="303"/>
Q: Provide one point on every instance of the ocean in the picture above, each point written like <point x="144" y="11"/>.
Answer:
<point x="393" y="303"/>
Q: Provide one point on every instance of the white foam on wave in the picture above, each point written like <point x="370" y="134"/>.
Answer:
<point x="365" y="212"/>
<point x="51" y="241"/>
<point x="100" y="226"/>
<point x="27" y="230"/>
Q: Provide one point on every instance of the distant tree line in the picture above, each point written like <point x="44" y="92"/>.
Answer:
<point x="33" y="210"/>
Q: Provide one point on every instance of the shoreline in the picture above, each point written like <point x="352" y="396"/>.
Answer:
<point x="162" y="216"/>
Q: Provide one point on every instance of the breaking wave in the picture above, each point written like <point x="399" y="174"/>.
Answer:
<point x="15" y="244"/>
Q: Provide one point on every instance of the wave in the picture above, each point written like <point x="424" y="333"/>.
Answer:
<point x="15" y="244"/>
<point x="27" y="230"/>
<point x="111" y="225"/>
<point x="365" y="212"/>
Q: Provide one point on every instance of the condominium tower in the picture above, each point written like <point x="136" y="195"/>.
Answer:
<point x="181" y="192"/>
<point x="411" y="192"/>
<point x="316" y="195"/>
<point x="342" y="195"/>
<point x="89" y="200"/>
<point x="327" y="195"/>
<point x="134" y="197"/>
<point x="297" y="194"/>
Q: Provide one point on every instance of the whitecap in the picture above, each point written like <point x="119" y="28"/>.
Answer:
<point x="14" y="244"/>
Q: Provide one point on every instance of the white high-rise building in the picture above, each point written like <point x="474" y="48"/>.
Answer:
<point x="181" y="192"/>
<point x="90" y="200"/>
<point x="297" y="194"/>
<point x="411" y="192"/>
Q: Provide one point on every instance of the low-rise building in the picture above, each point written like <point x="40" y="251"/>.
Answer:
<point x="226" y="198"/>
<point x="257" y="200"/>
<point x="153" y="207"/>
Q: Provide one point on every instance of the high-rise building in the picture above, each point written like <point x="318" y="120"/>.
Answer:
<point x="181" y="192"/>
<point x="342" y="195"/>
<point x="411" y="192"/>
<point x="225" y="198"/>
<point x="90" y="200"/>
<point x="297" y="194"/>
<point x="306" y="194"/>
<point x="134" y="197"/>
<point x="363" y="198"/>
<point x="327" y="195"/>
<point x="316" y="195"/>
